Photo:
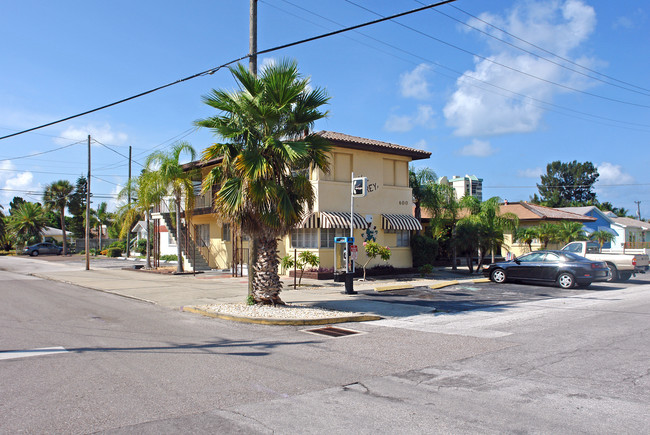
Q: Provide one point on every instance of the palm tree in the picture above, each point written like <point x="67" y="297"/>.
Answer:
<point x="602" y="237"/>
<point x="27" y="223"/>
<point x="569" y="231"/>
<point x="526" y="235"/>
<point x="103" y="216"/>
<point x="421" y="183"/>
<point x="493" y="224"/>
<point x="547" y="233"/>
<point x="262" y="187"/>
<point x="170" y="177"/>
<point x="147" y="190"/>
<point x="57" y="196"/>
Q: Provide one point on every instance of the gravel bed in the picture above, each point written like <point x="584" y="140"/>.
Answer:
<point x="289" y="311"/>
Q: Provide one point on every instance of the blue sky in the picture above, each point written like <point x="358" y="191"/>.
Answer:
<point x="441" y="80"/>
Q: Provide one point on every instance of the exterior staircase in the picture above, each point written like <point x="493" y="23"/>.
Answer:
<point x="194" y="251"/>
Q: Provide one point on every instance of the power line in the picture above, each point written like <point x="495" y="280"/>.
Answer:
<point x="214" y="70"/>
<point x="542" y="104"/>
<point x="537" y="55"/>
<point x="547" y="51"/>
<point x="43" y="152"/>
<point x="487" y="59"/>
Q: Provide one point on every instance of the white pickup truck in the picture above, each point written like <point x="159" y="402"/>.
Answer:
<point x="621" y="265"/>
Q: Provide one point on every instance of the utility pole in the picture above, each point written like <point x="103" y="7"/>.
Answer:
<point x="88" y="211"/>
<point x="252" y="40"/>
<point x="638" y="209"/>
<point x="128" y="233"/>
<point x="252" y="67"/>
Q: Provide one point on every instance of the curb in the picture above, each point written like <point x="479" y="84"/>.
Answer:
<point x="273" y="321"/>
<point x="435" y="286"/>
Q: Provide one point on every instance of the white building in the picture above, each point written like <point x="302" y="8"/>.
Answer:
<point x="469" y="185"/>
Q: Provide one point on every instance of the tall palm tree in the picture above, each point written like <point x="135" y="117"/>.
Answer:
<point x="169" y="175"/>
<point x="57" y="197"/>
<point x="27" y="223"/>
<point x="147" y="190"/>
<point x="421" y="184"/>
<point x="262" y="187"/>
<point x="569" y="231"/>
<point x="103" y="217"/>
<point x="493" y="223"/>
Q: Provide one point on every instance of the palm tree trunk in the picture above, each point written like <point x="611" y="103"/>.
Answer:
<point x="266" y="283"/>
<point x="179" y="252"/>
<point x="148" y="266"/>
<point x="65" y="239"/>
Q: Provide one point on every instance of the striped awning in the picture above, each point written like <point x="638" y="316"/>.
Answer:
<point x="341" y="219"/>
<point x="309" y="221"/>
<point x="399" y="222"/>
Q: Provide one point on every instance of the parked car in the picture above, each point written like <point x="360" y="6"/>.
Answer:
<point x="42" y="248"/>
<point x="566" y="269"/>
<point x="622" y="265"/>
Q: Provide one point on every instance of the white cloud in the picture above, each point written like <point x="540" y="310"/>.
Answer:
<point x="531" y="172"/>
<point x="414" y="84"/>
<point x="558" y="26"/>
<point x="17" y="184"/>
<point x="113" y="203"/>
<point x="610" y="173"/>
<point x="423" y="117"/>
<point x="266" y="62"/>
<point x="478" y="148"/>
<point x="102" y="133"/>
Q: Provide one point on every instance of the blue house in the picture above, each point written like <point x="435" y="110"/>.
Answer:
<point x="602" y="223"/>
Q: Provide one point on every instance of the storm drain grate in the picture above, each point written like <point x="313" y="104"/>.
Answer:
<point x="332" y="331"/>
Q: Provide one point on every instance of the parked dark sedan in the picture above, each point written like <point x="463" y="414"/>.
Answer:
<point x="566" y="269"/>
<point x="43" y="248"/>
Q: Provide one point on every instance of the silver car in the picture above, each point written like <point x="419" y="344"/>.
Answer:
<point x="43" y="248"/>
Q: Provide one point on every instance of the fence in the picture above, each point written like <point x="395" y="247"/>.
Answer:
<point x="79" y="245"/>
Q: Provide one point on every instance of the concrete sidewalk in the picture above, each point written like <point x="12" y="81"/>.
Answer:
<point x="178" y="291"/>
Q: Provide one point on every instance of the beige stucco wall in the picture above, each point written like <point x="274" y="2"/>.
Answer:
<point x="388" y="192"/>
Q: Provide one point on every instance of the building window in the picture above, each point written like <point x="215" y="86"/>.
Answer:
<point x="304" y="238"/>
<point x="327" y="236"/>
<point x="225" y="232"/>
<point x="403" y="238"/>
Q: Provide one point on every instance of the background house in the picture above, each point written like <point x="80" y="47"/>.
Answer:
<point x="603" y="222"/>
<point x="532" y="215"/>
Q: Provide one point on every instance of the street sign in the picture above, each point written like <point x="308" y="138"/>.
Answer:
<point x="353" y="252"/>
<point x="359" y="187"/>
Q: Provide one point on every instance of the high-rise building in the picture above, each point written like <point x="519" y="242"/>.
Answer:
<point x="469" y="185"/>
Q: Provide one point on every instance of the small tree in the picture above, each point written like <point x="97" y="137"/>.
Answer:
<point x="374" y="249"/>
<point x="305" y="258"/>
<point x="602" y="237"/>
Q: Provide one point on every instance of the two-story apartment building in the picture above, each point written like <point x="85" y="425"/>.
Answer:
<point x="386" y="212"/>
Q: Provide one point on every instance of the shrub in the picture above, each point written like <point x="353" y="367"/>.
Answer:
<point x="169" y="257"/>
<point x="374" y="249"/>
<point x="424" y="250"/>
<point x="425" y="269"/>
<point x="119" y="244"/>
<point x="104" y="252"/>
<point x="114" y="252"/>
<point x="141" y="248"/>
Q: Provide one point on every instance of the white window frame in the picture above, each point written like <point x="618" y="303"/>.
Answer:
<point x="304" y="238"/>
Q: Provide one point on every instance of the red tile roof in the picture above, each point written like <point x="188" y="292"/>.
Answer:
<point x="527" y="211"/>
<point x="360" y="143"/>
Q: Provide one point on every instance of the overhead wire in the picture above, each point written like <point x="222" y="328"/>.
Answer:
<point x="544" y="104"/>
<point x="43" y="152"/>
<point x="547" y="51"/>
<point x="538" y="56"/>
<point x="487" y="59"/>
<point x="215" y="69"/>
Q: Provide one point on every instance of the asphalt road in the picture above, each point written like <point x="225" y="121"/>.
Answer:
<point x="542" y="362"/>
